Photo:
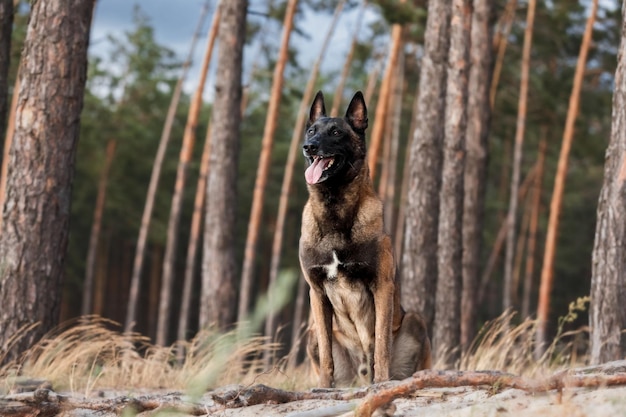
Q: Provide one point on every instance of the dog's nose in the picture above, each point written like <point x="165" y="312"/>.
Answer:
<point x="310" y="147"/>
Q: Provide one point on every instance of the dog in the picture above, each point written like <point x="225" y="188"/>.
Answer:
<point x="359" y="334"/>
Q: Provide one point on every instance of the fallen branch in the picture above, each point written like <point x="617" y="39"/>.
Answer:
<point x="381" y="394"/>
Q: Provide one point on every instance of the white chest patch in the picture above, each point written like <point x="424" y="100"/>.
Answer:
<point x="333" y="267"/>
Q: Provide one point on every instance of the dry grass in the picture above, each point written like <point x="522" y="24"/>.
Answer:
<point x="92" y="354"/>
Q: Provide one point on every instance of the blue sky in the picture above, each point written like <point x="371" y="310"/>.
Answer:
<point x="174" y="22"/>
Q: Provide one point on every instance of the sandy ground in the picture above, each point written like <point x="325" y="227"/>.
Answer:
<point x="441" y="402"/>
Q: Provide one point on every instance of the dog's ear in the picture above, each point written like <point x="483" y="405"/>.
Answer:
<point x="356" y="115"/>
<point x="317" y="109"/>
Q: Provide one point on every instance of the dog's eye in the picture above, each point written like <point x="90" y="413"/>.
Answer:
<point x="335" y="132"/>
<point x="310" y="131"/>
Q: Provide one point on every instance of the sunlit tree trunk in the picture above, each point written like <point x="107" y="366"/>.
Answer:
<point x="345" y="71"/>
<point x="256" y="211"/>
<point x="607" y="315"/>
<point x="186" y="152"/>
<point x="534" y="224"/>
<point x="547" y="269"/>
<point x="387" y="183"/>
<point x="6" y="27"/>
<point x="218" y="299"/>
<point x="382" y="104"/>
<point x="140" y="250"/>
<point x="194" y="237"/>
<point x="501" y="41"/>
<point x="35" y="227"/>
<point x="478" y="119"/>
<point x="294" y="147"/>
<point x="419" y="257"/>
<point x="96" y="227"/>
<point x="447" y="326"/>
<point x="517" y="157"/>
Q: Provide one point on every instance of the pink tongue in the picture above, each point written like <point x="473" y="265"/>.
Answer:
<point x="314" y="172"/>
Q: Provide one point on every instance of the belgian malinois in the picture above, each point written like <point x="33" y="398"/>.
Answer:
<point x="359" y="333"/>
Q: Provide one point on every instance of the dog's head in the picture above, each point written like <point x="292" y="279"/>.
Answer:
<point x="334" y="146"/>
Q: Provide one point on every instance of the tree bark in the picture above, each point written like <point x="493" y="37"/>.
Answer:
<point x="256" y="211"/>
<point x="140" y="250"/>
<point x="35" y="227"/>
<point x="607" y="315"/>
<point x="6" y="27"/>
<point x="534" y="224"/>
<point x="96" y="227"/>
<point x="547" y="277"/>
<point x="419" y="258"/>
<point x="447" y="326"/>
<point x="478" y="120"/>
<point x="186" y="152"/>
<point x="382" y="104"/>
<point x="219" y="273"/>
<point x="517" y="157"/>
<point x="294" y="147"/>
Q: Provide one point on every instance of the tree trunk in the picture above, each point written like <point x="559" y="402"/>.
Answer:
<point x="186" y="152"/>
<point x="34" y="233"/>
<point x="256" y="212"/>
<point x="140" y="250"/>
<point x="383" y="99"/>
<point x="7" y="145"/>
<point x="534" y="224"/>
<point x="372" y="79"/>
<point x="607" y="315"/>
<point x="387" y="185"/>
<point x="399" y="231"/>
<point x="500" y="43"/>
<point x="447" y="326"/>
<point x="334" y="111"/>
<point x="6" y="27"/>
<point x="96" y="227"/>
<point x="478" y="120"/>
<point x="219" y="273"/>
<point x="294" y="147"/>
<point x="419" y="258"/>
<point x="547" y="269"/>
<point x="194" y="237"/>
<point x="517" y="157"/>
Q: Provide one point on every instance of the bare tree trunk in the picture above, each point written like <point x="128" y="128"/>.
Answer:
<point x="382" y="104"/>
<point x="299" y="318"/>
<point x="447" y="327"/>
<point x="334" y="111"/>
<point x="146" y="217"/>
<point x="7" y="144"/>
<point x="219" y="273"/>
<point x="517" y="157"/>
<point x="607" y="315"/>
<point x="186" y="152"/>
<point x="419" y="258"/>
<point x="399" y="235"/>
<point x="547" y="269"/>
<point x="372" y="80"/>
<point x="388" y="177"/>
<point x="194" y="237"/>
<point x="96" y="226"/>
<point x="256" y="211"/>
<point x="6" y="27"/>
<point x="501" y="42"/>
<point x="534" y="224"/>
<point x="478" y="120"/>
<point x="34" y="233"/>
<point x="294" y="147"/>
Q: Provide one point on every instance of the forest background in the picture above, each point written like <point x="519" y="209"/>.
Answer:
<point x="129" y="89"/>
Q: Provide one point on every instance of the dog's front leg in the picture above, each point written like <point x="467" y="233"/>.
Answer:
<point x="323" y="318"/>
<point x="383" y="303"/>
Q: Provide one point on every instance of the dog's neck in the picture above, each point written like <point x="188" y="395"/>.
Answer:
<point x="339" y="202"/>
